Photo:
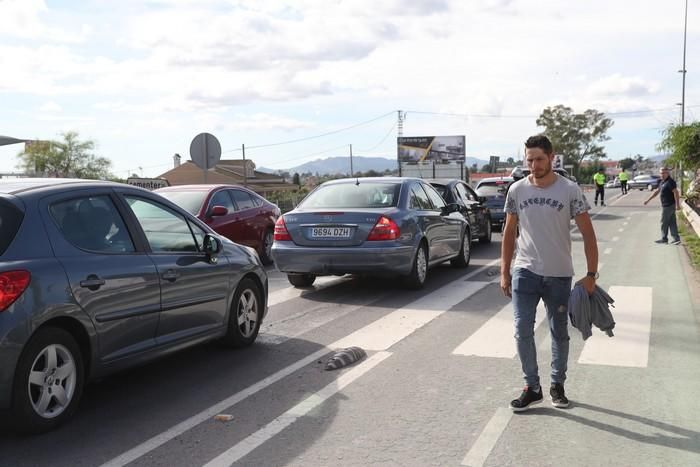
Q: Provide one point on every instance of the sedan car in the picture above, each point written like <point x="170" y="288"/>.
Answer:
<point x="644" y="182"/>
<point x="472" y="206"/>
<point x="233" y="211"/>
<point x="96" y="277"/>
<point x="380" y="225"/>
<point x="493" y="190"/>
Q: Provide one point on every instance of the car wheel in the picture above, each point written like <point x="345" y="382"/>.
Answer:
<point x="465" y="252"/>
<point x="246" y="314"/>
<point x="301" y="280"/>
<point x="266" y="248"/>
<point x="486" y="237"/>
<point x="48" y="381"/>
<point x="419" y="271"/>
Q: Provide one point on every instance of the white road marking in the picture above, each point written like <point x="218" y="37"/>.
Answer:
<point x="265" y="433"/>
<point x="495" y="337"/>
<point x="630" y="345"/>
<point x="483" y="446"/>
<point x="620" y="230"/>
<point x="289" y="293"/>
<point x="614" y="239"/>
<point x="607" y="251"/>
<point x="397" y="325"/>
<point x="625" y="223"/>
<point x="447" y="295"/>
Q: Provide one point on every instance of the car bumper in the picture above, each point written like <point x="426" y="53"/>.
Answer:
<point x="497" y="217"/>
<point x="291" y="258"/>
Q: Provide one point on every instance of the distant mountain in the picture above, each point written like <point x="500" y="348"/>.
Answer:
<point x="341" y="165"/>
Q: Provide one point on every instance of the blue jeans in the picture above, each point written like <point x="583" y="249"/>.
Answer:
<point x="528" y="289"/>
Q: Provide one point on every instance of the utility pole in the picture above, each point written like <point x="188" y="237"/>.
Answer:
<point x="683" y="72"/>
<point x="402" y="117"/>
<point x="352" y="172"/>
<point x="245" y="168"/>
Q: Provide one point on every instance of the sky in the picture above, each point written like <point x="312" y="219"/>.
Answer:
<point x="301" y="80"/>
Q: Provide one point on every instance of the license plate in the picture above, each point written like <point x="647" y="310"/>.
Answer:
<point x="330" y="232"/>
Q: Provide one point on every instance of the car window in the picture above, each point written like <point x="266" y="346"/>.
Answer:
<point x="189" y="200"/>
<point x="441" y="189"/>
<point x="353" y="195"/>
<point x="419" y="199"/>
<point x="257" y="200"/>
<point x="221" y="198"/>
<point x="243" y="200"/>
<point x="92" y="223"/>
<point x="435" y="197"/>
<point x="492" y="188"/>
<point x="465" y="192"/>
<point x="165" y="230"/>
<point x="10" y="220"/>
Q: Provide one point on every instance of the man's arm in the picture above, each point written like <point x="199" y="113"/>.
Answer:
<point x="677" y="197"/>
<point x="653" y="195"/>
<point x="507" y="250"/>
<point x="590" y="247"/>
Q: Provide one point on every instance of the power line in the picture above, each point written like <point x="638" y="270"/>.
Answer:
<point x="299" y="140"/>
<point x="381" y="141"/>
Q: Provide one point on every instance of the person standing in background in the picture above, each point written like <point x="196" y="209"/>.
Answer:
<point x="670" y="203"/>
<point x="599" y="182"/>
<point x="624" y="178"/>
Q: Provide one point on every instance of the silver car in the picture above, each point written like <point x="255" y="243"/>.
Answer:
<point x="384" y="225"/>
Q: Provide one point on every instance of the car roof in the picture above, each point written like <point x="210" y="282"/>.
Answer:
<point x="21" y="185"/>
<point x="197" y="187"/>
<point x="444" y="181"/>
<point x="370" y="180"/>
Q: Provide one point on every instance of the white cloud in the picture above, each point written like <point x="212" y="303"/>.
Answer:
<point x="622" y="86"/>
<point x="50" y="106"/>
<point x="24" y="19"/>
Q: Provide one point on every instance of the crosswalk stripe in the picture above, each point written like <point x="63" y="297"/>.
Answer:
<point x="630" y="345"/>
<point x="495" y="337"/>
<point x="397" y="325"/>
<point x="289" y="293"/>
<point x="483" y="446"/>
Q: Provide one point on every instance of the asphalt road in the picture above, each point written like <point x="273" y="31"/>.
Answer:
<point x="435" y="387"/>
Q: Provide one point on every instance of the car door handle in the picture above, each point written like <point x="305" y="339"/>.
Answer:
<point x="171" y="275"/>
<point x="92" y="282"/>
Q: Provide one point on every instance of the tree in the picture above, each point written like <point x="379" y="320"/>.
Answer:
<point x="626" y="163"/>
<point x="575" y="136"/>
<point x="682" y="142"/>
<point x="68" y="158"/>
<point x="295" y="179"/>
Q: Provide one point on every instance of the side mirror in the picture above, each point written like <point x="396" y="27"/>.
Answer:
<point x="450" y="208"/>
<point x="218" y="211"/>
<point x="212" y="246"/>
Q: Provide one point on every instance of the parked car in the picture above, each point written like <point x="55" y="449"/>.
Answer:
<point x="235" y="212"/>
<point x="98" y="276"/>
<point x="644" y="182"/>
<point x="493" y="190"/>
<point x="380" y="225"/>
<point x="472" y="206"/>
<point x="614" y="183"/>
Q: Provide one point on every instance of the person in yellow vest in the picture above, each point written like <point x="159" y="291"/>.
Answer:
<point x="623" y="177"/>
<point x="599" y="182"/>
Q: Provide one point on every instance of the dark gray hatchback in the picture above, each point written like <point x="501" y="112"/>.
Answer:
<point x="96" y="277"/>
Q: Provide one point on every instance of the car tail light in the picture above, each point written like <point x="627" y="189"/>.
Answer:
<point x="384" y="229"/>
<point x="12" y="284"/>
<point x="281" y="232"/>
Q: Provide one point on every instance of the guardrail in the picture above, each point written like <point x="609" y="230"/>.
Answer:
<point x="692" y="217"/>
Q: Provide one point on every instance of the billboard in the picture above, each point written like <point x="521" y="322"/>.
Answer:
<point x="442" y="149"/>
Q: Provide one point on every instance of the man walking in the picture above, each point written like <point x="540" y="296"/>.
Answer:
<point x="624" y="178"/>
<point x="599" y="182"/>
<point x="542" y="205"/>
<point x="670" y="202"/>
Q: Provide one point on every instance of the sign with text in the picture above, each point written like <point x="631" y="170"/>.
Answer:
<point x="442" y="149"/>
<point x="148" y="183"/>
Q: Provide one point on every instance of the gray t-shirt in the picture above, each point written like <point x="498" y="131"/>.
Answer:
<point x="544" y="218"/>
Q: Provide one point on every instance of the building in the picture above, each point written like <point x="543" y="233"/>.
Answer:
<point x="229" y="172"/>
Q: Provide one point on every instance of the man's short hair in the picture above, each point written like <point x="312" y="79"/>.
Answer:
<point x="665" y="169"/>
<point x="539" y="141"/>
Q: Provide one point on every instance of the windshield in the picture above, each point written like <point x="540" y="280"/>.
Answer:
<point x="492" y="188"/>
<point x="353" y="195"/>
<point x="191" y="201"/>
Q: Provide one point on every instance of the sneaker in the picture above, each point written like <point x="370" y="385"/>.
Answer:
<point x="676" y="242"/>
<point x="527" y="399"/>
<point x="596" y="203"/>
<point x="661" y="240"/>
<point x="556" y="390"/>
<point x="602" y="204"/>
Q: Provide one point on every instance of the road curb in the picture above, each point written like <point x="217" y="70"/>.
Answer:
<point x="692" y="216"/>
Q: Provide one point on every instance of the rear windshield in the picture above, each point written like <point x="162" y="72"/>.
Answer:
<point x="10" y="220"/>
<point x="440" y="189"/>
<point x="353" y="195"/>
<point x="190" y="201"/>
<point x="492" y="188"/>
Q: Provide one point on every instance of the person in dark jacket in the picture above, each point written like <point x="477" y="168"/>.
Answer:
<point x="541" y="206"/>
<point x="670" y="203"/>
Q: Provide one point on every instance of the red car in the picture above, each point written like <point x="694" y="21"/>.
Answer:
<point x="232" y="211"/>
